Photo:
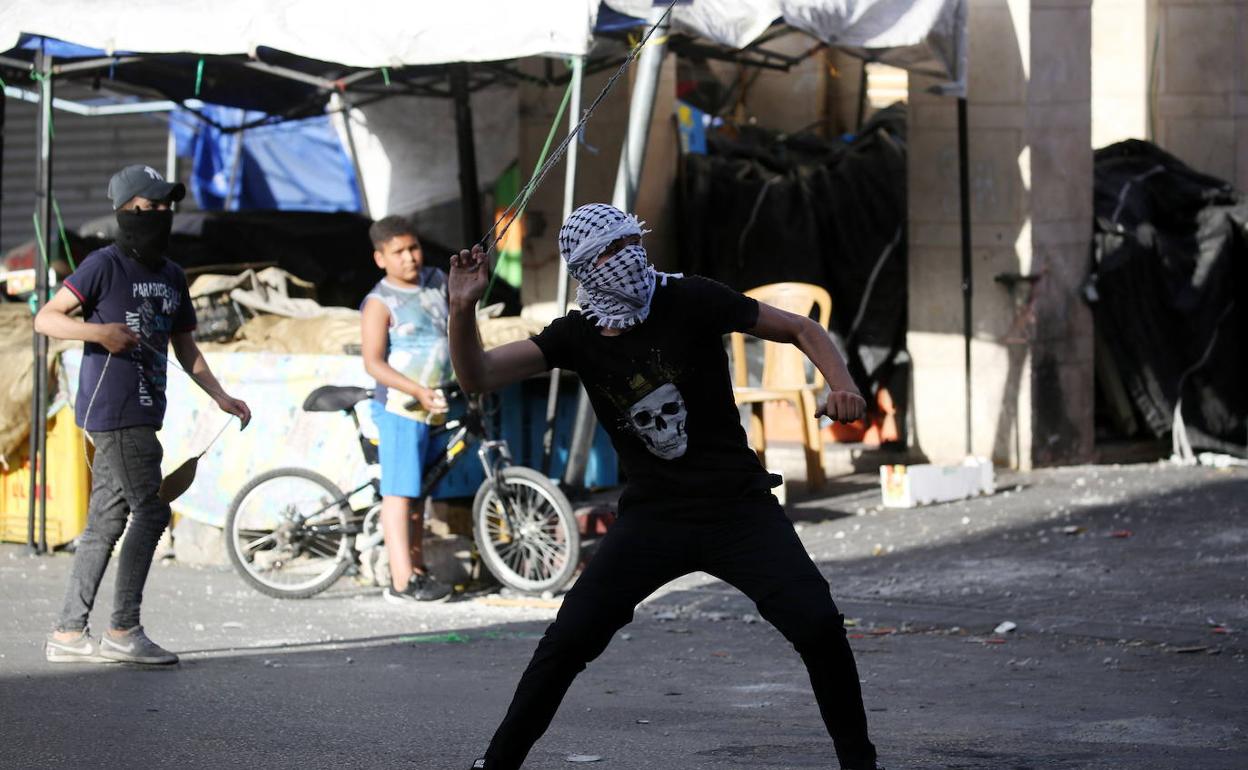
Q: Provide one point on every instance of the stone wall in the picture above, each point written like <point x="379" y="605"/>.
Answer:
<point x="1174" y="72"/>
<point x="1201" y="84"/>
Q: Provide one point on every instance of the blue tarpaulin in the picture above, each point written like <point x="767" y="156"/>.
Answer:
<point x="295" y="165"/>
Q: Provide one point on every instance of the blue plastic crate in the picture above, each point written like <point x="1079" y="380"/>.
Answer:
<point x="521" y="420"/>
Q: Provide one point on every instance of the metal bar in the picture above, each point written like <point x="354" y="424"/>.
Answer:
<point x="582" y="438"/>
<point x="38" y="505"/>
<point x="4" y="100"/>
<point x="469" y="195"/>
<point x="356" y="77"/>
<point x="760" y="57"/>
<point x="561" y="296"/>
<point x="964" y="195"/>
<point x="365" y="209"/>
<point x="515" y="74"/>
<point x="291" y="74"/>
<point x="94" y="64"/>
<point x="92" y="110"/>
<point x="17" y="64"/>
<point x="862" y="96"/>
<point x="640" y="111"/>
<point x="171" y="155"/>
<point x="314" y="80"/>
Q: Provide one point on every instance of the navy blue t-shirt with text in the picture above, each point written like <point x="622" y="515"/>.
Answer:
<point x="114" y="288"/>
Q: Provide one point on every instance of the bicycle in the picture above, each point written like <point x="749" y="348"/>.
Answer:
<point x="292" y="533"/>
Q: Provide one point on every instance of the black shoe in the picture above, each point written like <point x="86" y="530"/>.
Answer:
<point x="478" y="765"/>
<point x="420" y="588"/>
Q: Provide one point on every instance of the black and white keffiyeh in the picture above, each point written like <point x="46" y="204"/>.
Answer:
<point x="617" y="293"/>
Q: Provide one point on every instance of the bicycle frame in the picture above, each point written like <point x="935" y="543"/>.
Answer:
<point x="511" y="512"/>
<point x="493" y="454"/>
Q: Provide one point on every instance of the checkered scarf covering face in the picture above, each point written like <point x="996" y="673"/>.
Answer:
<point x="617" y="293"/>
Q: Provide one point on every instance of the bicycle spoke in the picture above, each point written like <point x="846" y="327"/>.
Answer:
<point x="276" y="545"/>
<point x="255" y="544"/>
<point x="544" y="546"/>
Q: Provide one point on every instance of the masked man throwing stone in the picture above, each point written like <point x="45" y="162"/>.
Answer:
<point x="648" y="348"/>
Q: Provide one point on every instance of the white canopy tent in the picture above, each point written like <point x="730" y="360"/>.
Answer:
<point x="370" y="33"/>
<point x="926" y="36"/>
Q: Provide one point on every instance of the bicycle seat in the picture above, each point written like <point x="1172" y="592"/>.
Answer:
<point x="335" y="398"/>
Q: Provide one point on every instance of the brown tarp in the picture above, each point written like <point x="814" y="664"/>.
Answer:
<point x="16" y="344"/>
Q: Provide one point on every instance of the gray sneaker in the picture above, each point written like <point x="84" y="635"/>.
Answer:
<point x="82" y="649"/>
<point x="135" y="647"/>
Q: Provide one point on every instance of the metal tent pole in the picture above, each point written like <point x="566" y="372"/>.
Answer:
<point x="561" y="297"/>
<point x="4" y="98"/>
<point x="365" y="209"/>
<point x="469" y="194"/>
<point x="627" y="180"/>
<point x="862" y="97"/>
<point x="171" y="153"/>
<point x="640" y="111"/>
<point x="38" y="499"/>
<point x="964" y="195"/>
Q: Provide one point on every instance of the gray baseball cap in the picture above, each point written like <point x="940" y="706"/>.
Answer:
<point x="145" y="182"/>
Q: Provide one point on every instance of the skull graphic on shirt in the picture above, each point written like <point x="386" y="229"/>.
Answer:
<point x="658" y="419"/>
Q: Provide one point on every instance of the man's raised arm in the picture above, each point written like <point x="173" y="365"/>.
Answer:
<point x="476" y="369"/>
<point x="844" y="403"/>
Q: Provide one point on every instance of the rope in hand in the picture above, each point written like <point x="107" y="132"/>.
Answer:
<point x="521" y="200"/>
<point x="168" y="360"/>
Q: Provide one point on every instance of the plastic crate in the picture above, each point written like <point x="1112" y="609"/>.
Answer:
<point x="69" y="486"/>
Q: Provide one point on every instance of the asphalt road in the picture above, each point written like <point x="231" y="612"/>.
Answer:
<point x="1128" y="587"/>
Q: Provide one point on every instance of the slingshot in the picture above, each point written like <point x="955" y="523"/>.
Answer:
<point x="180" y="479"/>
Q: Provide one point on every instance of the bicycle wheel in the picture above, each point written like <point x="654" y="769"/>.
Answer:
<point x="286" y="533"/>
<point x="538" y="547"/>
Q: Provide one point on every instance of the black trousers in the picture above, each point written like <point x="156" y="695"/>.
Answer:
<point x="751" y="546"/>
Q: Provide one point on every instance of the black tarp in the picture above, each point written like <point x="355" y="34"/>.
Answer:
<point x="762" y="207"/>
<point x="1168" y="291"/>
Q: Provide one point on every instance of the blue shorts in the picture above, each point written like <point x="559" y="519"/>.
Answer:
<point x="404" y="446"/>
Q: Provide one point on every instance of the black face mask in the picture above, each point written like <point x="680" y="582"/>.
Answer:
<point x="144" y="235"/>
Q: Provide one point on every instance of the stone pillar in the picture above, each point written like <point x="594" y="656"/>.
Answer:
<point x="1031" y="210"/>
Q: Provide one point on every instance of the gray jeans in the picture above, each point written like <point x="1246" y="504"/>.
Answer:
<point x="125" y="481"/>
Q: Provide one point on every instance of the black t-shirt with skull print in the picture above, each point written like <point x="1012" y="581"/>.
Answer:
<point x="662" y="392"/>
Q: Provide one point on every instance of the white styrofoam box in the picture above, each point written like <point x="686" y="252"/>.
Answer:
<point x="907" y="486"/>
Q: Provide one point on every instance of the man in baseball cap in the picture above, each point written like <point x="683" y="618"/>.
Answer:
<point x="139" y="181"/>
<point x="136" y="308"/>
